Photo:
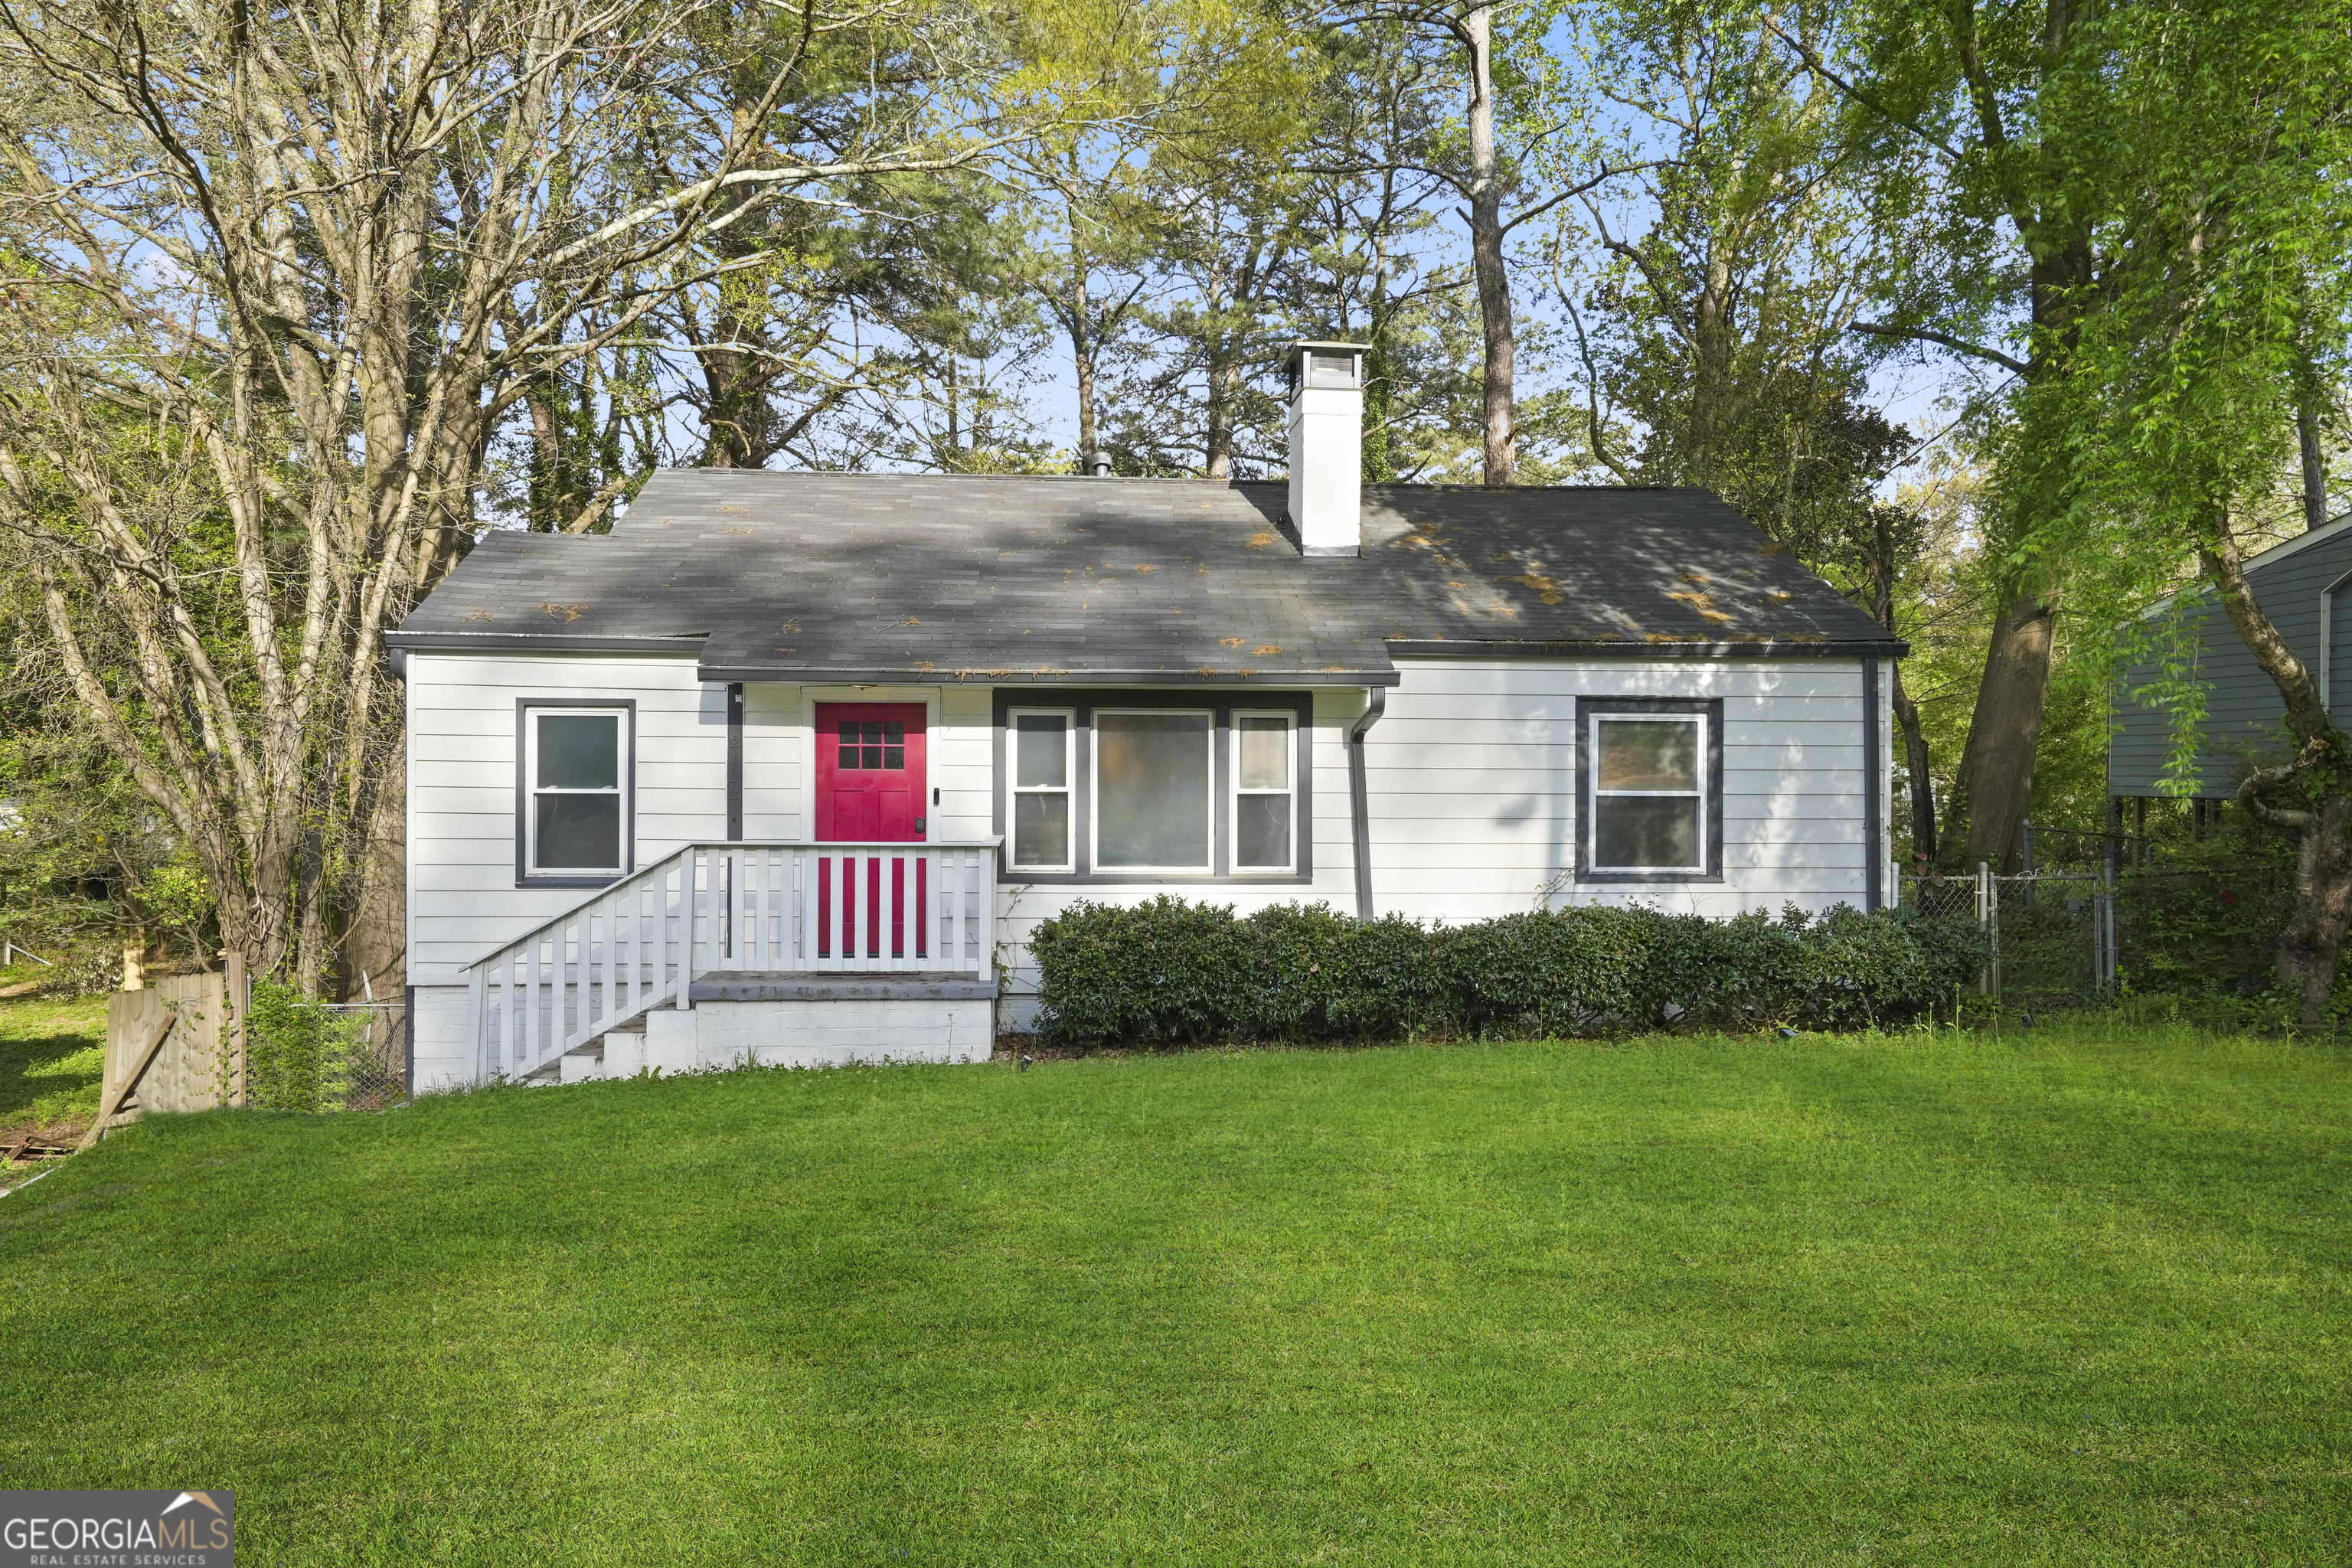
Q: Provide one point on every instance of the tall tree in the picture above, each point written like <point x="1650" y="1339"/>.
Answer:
<point x="1951" y="103"/>
<point x="309" y="260"/>
<point x="1371" y="201"/>
<point x="1520" y="148"/>
<point x="2216" y="144"/>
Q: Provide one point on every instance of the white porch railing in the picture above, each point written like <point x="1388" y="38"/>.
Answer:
<point x="918" y="910"/>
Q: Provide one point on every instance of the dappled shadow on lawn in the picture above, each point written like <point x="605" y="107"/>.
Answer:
<point x="51" y="1059"/>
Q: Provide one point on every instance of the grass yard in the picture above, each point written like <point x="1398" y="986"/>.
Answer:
<point x="1925" y="1299"/>
<point x="51" y="1056"/>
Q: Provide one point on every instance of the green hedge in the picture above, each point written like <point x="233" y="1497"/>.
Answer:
<point x="1171" y="971"/>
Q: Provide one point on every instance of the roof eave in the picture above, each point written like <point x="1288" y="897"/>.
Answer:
<point x="1648" y="648"/>
<point x="722" y="669"/>
<point x="682" y="646"/>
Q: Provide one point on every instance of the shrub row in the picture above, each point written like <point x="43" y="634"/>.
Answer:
<point x="1171" y="971"/>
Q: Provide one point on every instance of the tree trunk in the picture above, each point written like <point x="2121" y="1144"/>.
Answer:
<point x="376" y="945"/>
<point x="1922" y="783"/>
<point x="1219" y="440"/>
<point x="2314" y="459"/>
<point x="1498" y="435"/>
<point x="1995" y="784"/>
<point x="1379" y="463"/>
<point x="1082" y="352"/>
<point x="2318" y="789"/>
<point x="2312" y="941"/>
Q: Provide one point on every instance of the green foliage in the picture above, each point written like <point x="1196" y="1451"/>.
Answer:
<point x="2206" y="919"/>
<point x="1170" y="971"/>
<point x="299" y="1055"/>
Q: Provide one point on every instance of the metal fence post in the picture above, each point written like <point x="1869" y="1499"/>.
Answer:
<point x="2104" y="933"/>
<point x="1989" y="918"/>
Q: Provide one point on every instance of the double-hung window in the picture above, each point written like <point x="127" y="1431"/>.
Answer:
<point x="575" y="792"/>
<point x="1040" y="743"/>
<point x="1265" y="803"/>
<point x="1653" y="788"/>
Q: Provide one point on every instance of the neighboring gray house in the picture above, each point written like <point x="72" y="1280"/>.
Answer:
<point x="788" y="766"/>
<point x="2305" y="585"/>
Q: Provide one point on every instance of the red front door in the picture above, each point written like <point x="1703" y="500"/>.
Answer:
<point x="869" y="772"/>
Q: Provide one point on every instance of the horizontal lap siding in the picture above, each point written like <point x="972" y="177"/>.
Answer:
<point x="775" y="742"/>
<point x="2243" y="711"/>
<point x="463" y="902"/>
<point x="1472" y="783"/>
<point x="963" y="763"/>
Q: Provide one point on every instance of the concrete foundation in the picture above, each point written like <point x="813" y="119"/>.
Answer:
<point x="796" y="1023"/>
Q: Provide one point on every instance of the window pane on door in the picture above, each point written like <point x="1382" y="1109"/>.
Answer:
<point x="579" y="751"/>
<point x="1262" y="830"/>
<point x="1041" y="829"/>
<point x="1152" y="782"/>
<point x="1643" y="831"/>
<point x="1264" y="746"/>
<point x="1043" y="758"/>
<point x="1648" y="753"/>
<point x="578" y="832"/>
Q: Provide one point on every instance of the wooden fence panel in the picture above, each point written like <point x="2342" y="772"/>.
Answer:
<point x="198" y="1065"/>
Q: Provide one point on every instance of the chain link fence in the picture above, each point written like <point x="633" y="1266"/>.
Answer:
<point x="2052" y="932"/>
<point x="324" y="1057"/>
<point x="375" y="1059"/>
<point x="2068" y="934"/>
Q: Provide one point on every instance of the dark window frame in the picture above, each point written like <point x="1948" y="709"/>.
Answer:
<point x="524" y="707"/>
<point x="1221" y="703"/>
<point x="1587" y="709"/>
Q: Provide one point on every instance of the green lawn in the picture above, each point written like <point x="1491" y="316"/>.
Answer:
<point x="51" y="1055"/>
<point x="2060" y="1299"/>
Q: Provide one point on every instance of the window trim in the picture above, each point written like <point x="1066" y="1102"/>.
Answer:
<point x="1236" y="790"/>
<point x="1589" y="710"/>
<point x="525" y="739"/>
<point x="1081" y="703"/>
<point x="1069" y="786"/>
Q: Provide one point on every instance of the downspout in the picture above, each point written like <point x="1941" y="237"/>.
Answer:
<point x="1359" y="813"/>
<point x="735" y="761"/>
<point x="1873" y="794"/>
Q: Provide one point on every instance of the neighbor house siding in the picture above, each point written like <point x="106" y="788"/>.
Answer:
<point x="2244" y="713"/>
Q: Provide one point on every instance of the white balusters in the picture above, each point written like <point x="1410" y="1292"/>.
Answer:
<point x="771" y="908"/>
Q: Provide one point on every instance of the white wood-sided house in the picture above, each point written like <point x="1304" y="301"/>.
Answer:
<point x="786" y="765"/>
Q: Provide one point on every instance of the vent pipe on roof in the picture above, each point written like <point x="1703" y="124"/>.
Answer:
<point x="1327" y="447"/>
<point x="1098" y="464"/>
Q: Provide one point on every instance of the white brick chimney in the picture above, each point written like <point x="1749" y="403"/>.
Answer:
<point x="1327" y="446"/>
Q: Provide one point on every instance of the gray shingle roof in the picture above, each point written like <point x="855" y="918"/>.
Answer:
<point x="925" y="578"/>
